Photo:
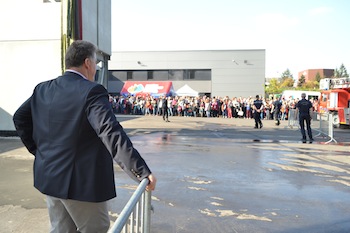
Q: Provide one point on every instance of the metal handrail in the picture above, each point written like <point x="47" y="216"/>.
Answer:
<point x="136" y="215"/>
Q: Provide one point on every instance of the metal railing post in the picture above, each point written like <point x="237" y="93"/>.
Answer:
<point x="147" y="212"/>
<point x="131" y="212"/>
<point x="330" y="128"/>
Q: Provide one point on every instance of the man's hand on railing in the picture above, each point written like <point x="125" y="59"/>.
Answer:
<point x="152" y="183"/>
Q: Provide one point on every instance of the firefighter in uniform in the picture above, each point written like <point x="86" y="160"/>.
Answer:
<point x="304" y="108"/>
<point x="257" y="108"/>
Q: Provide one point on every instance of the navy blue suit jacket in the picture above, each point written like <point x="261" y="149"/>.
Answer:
<point x="69" y="126"/>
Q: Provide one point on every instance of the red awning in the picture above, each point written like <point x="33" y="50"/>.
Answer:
<point x="147" y="88"/>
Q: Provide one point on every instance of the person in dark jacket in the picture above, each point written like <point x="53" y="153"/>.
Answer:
<point x="70" y="128"/>
<point x="304" y="108"/>
<point x="277" y="104"/>
<point x="258" y="107"/>
<point x="165" y="112"/>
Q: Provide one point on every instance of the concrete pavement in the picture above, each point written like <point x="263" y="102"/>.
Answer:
<point x="23" y="208"/>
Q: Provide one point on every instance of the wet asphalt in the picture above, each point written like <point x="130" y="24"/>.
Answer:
<point x="214" y="175"/>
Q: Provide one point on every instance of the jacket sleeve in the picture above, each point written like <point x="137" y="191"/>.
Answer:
<point x="112" y="134"/>
<point x="23" y="122"/>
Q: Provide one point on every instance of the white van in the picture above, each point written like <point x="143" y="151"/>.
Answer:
<point x="293" y="94"/>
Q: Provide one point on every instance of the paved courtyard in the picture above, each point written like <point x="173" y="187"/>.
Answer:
<point x="214" y="175"/>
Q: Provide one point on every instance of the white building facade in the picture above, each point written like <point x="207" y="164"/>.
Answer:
<point x="232" y="73"/>
<point x="31" y="46"/>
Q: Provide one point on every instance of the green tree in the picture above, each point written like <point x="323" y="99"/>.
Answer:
<point x="318" y="77"/>
<point x="285" y="75"/>
<point x="341" y="72"/>
<point x="273" y="87"/>
<point x="287" y="83"/>
<point x="311" y="85"/>
<point x="301" y="81"/>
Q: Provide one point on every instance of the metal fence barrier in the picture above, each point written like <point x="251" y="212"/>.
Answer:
<point x="136" y="215"/>
<point x="293" y="119"/>
<point x="321" y="122"/>
<point x="325" y="127"/>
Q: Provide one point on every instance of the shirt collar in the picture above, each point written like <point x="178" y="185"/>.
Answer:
<point x="76" y="72"/>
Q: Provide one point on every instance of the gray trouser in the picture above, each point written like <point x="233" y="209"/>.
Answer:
<point x="77" y="216"/>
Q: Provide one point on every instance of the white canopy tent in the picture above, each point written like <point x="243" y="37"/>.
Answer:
<point x="186" y="91"/>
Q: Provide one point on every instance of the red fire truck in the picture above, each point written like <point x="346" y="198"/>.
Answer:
<point x="335" y="98"/>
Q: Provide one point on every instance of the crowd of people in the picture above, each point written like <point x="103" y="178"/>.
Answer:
<point x="204" y="106"/>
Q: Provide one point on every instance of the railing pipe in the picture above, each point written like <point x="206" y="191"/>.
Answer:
<point x="129" y="207"/>
<point x="147" y="212"/>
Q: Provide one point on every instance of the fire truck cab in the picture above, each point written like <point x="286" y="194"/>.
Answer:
<point x="335" y="98"/>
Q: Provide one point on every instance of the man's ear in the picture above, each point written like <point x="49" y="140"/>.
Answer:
<point x="87" y="62"/>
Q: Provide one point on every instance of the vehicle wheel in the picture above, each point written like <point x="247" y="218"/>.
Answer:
<point x="336" y="121"/>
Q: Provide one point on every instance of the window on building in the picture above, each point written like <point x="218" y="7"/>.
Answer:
<point x="139" y="75"/>
<point x="198" y="75"/>
<point x="129" y="75"/>
<point x="176" y="74"/>
<point x="160" y="75"/>
<point x="202" y="75"/>
<point x="117" y="75"/>
<point x="150" y="75"/>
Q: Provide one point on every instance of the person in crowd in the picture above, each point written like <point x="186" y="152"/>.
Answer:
<point x="269" y="108"/>
<point x="276" y="108"/>
<point x="122" y="104"/>
<point x="160" y="106"/>
<point x="170" y="106"/>
<point x="207" y="107"/>
<point x="148" y="107"/>
<point x="164" y="106"/>
<point x="229" y="108"/>
<point x="248" y="111"/>
<point x="174" y="106"/>
<point x="235" y="107"/>
<point x="187" y="110"/>
<point x="257" y="108"/>
<point x="154" y="106"/>
<point x="214" y="107"/>
<point x="224" y="109"/>
<point x="304" y="108"/>
<point x="70" y="128"/>
<point x="315" y="104"/>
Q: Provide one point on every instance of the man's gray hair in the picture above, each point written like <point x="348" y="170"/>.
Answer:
<point x="78" y="51"/>
<point x="303" y="95"/>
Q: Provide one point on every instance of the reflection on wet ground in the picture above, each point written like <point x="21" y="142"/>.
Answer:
<point x="214" y="183"/>
<point x="214" y="175"/>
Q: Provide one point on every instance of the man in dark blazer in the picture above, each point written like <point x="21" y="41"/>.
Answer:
<point x="70" y="128"/>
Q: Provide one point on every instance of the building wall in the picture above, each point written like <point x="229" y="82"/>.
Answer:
<point x="234" y="72"/>
<point x="97" y="24"/>
<point x="311" y="74"/>
<point x="30" y="46"/>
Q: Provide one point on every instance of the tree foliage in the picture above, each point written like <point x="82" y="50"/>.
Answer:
<point x="301" y="81"/>
<point x="341" y="72"/>
<point x="286" y="81"/>
<point x="273" y="87"/>
<point x="318" y="77"/>
<point x="285" y="75"/>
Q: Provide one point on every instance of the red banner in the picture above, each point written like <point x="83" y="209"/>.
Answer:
<point x="147" y="88"/>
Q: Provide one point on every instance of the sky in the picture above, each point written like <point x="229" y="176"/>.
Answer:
<point x="296" y="34"/>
